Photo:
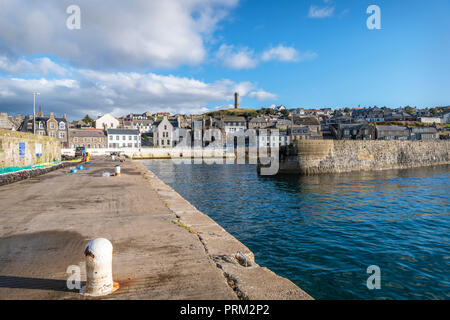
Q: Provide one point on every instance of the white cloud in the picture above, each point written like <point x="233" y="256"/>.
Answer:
<point x="36" y="67"/>
<point x="280" y="53"/>
<point x="133" y="34"/>
<point x="236" y="59"/>
<point x="244" y="58"/>
<point x="320" y="12"/>
<point x="96" y="92"/>
<point x="262" y="95"/>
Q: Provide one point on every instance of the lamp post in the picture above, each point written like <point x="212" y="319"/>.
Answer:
<point x="34" y="111"/>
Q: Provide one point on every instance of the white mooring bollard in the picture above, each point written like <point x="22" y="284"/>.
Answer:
<point x="117" y="170"/>
<point x="98" y="255"/>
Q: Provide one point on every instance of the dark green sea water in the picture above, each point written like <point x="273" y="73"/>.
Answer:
<point x="322" y="232"/>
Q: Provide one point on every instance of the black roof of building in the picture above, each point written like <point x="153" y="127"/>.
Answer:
<point x="123" y="131"/>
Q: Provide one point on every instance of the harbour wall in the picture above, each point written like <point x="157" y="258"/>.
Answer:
<point x="21" y="149"/>
<point x="157" y="153"/>
<point x="335" y="156"/>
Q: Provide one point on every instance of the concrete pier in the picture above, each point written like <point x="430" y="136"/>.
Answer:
<point x="164" y="248"/>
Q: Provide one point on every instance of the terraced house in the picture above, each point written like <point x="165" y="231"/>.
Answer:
<point x="88" y="138"/>
<point x="392" y="133"/>
<point x="48" y="125"/>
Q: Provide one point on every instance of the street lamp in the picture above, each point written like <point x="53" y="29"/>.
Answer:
<point x="34" y="111"/>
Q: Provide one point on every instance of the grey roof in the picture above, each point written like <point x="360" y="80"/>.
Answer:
<point x="391" y="128"/>
<point x="173" y="122"/>
<point x="123" y="131"/>
<point x="86" y="133"/>
<point x="424" y="130"/>
<point x="233" y="119"/>
<point x="258" y="120"/>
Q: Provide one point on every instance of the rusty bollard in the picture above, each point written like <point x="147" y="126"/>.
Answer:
<point x="98" y="254"/>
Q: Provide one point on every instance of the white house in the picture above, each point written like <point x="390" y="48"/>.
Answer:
<point x="430" y="120"/>
<point x="118" y="138"/>
<point x="165" y="133"/>
<point x="107" y="121"/>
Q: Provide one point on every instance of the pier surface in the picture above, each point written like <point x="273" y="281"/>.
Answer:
<point x="164" y="248"/>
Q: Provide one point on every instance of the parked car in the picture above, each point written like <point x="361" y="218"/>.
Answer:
<point x="79" y="151"/>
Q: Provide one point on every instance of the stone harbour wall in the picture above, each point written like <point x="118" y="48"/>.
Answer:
<point x="20" y="149"/>
<point x="335" y="156"/>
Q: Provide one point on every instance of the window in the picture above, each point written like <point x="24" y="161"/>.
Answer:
<point x="75" y="139"/>
<point x="168" y="142"/>
<point x="366" y="132"/>
<point x="41" y="125"/>
<point x="117" y="137"/>
<point x="124" y="138"/>
<point x="130" y="138"/>
<point x="52" y="134"/>
<point x="135" y="138"/>
<point x="62" y="135"/>
<point x="112" y="125"/>
<point x="111" y="137"/>
<point x="165" y="127"/>
<point x="62" y="126"/>
<point x="52" y="125"/>
<point x="346" y="132"/>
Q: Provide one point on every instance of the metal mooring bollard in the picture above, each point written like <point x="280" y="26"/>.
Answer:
<point x="117" y="170"/>
<point x="98" y="255"/>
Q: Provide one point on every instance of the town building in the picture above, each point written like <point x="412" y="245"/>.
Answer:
<point x="122" y="138"/>
<point x="355" y="131"/>
<point x="300" y="124"/>
<point x="48" y="125"/>
<point x="107" y="121"/>
<point x="430" y="120"/>
<point x="165" y="133"/>
<point x="88" y="138"/>
<point x="424" y="133"/>
<point x="259" y="123"/>
<point x="392" y="133"/>
<point x="9" y="123"/>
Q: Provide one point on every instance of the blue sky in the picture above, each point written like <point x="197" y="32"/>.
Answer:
<point x="191" y="56"/>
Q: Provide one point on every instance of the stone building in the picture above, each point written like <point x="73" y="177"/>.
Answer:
<point x="88" y="138"/>
<point x="9" y="123"/>
<point x="355" y="131"/>
<point x="427" y="133"/>
<point x="48" y="125"/>
<point x="392" y="133"/>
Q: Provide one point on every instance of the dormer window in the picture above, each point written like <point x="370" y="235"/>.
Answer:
<point x="62" y="126"/>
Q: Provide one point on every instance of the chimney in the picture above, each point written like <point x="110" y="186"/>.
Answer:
<point x="236" y="100"/>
